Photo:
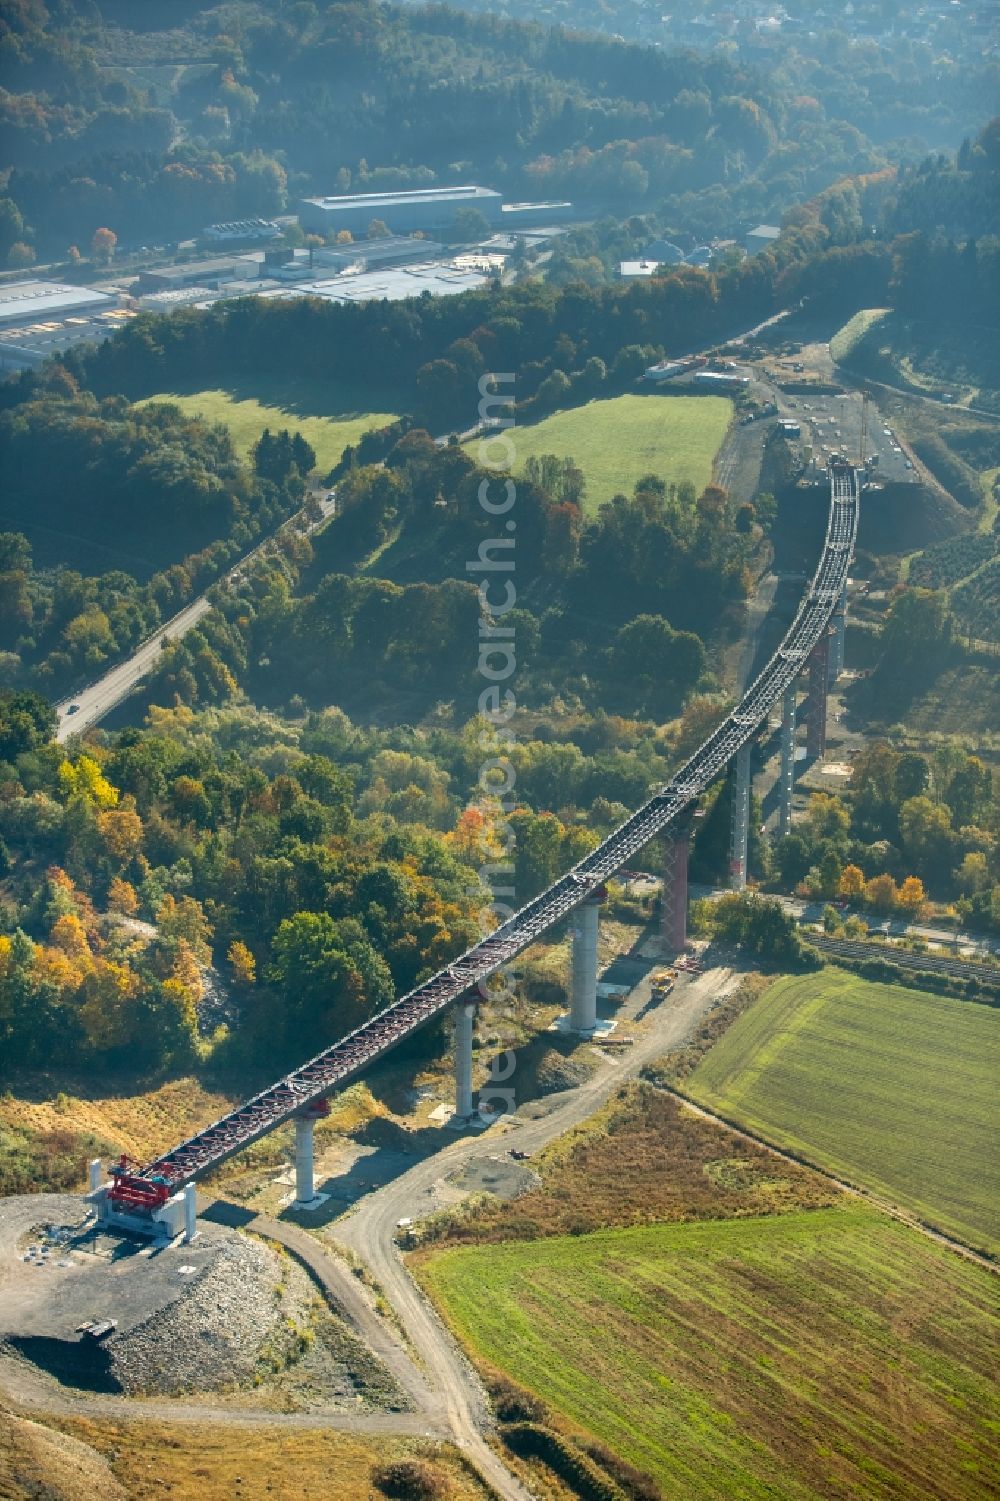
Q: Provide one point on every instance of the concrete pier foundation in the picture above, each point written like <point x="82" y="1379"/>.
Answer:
<point x="583" y="1003"/>
<point x="168" y="1220"/>
<point x="740" y="820"/>
<point x="786" y="776"/>
<point x="465" y="1025"/>
<point x="96" y="1174"/>
<point x="819" y="682"/>
<point x="673" y="915"/>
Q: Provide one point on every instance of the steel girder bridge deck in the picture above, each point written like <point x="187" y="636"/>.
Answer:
<point x="308" y="1085"/>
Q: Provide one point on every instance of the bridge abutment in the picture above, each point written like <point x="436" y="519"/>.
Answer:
<point x="583" y="1001"/>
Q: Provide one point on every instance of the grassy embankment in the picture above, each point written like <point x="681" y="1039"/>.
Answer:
<point x="619" y="440"/>
<point x="922" y="356"/>
<point x="207" y="1462"/>
<point x="892" y="1088"/>
<point x="643" y="1159"/>
<point x="808" y="1355"/>
<point x="329" y="416"/>
<point x="846" y="339"/>
<point x="50" y="1129"/>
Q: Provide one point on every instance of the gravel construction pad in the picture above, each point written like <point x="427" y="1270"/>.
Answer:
<point x="224" y="1312"/>
<point x="495" y="1175"/>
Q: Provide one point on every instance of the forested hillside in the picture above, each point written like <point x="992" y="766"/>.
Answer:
<point x="304" y="803"/>
<point x="153" y="122"/>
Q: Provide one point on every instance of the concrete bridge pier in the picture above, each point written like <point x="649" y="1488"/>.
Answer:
<point x="583" y="1002"/>
<point x="819" y="683"/>
<point x="740" y="821"/>
<point x="306" y="1196"/>
<point x="786" y="776"/>
<point x="465" y="1025"/>
<point x="838" y="639"/>
<point x="673" y="909"/>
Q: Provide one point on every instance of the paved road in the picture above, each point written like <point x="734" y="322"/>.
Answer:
<point x="99" y="698"/>
<point x="93" y="703"/>
<point x="966" y="943"/>
<point x="370" y="1230"/>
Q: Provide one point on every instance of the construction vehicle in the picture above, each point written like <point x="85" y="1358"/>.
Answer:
<point x="663" y="983"/>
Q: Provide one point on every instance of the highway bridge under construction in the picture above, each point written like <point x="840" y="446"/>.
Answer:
<point x="813" y="644"/>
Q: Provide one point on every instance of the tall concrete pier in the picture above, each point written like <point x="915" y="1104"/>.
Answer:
<point x="465" y="1025"/>
<point x="786" y="776"/>
<point x="583" y="1004"/>
<point x="740" y="822"/>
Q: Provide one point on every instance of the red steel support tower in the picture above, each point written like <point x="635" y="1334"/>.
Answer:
<point x="674" y="901"/>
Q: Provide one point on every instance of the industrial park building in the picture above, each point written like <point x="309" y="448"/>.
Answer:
<point x="40" y="318"/>
<point x="29" y="302"/>
<point x="423" y="209"/>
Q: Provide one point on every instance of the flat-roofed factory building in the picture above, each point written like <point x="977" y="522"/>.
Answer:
<point x="26" y="302"/>
<point x="40" y="318"/>
<point x="421" y="208"/>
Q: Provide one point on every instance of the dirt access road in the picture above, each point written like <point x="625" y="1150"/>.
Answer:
<point x="370" y="1231"/>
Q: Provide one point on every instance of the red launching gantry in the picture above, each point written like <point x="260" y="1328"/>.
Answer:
<point x="132" y="1191"/>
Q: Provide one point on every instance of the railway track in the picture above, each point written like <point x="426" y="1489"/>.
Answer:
<point x="337" y="1064"/>
<point x="959" y="969"/>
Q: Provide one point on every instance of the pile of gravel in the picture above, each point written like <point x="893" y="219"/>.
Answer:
<point x="212" y="1335"/>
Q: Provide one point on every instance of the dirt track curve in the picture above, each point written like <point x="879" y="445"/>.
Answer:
<point x="447" y="1397"/>
<point x="370" y="1230"/>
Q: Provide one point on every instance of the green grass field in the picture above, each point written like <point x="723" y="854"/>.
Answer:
<point x="827" y="1353"/>
<point x="893" y="1088"/>
<point x="618" y="441"/>
<point x="328" y="416"/>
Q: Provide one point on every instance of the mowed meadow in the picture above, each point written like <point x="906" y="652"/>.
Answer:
<point x="823" y="1353"/>
<point x="619" y="440"/>
<point x="891" y="1088"/>
<point x="329" y="416"/>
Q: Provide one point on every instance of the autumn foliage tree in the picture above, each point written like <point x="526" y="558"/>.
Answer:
<point x="102" y="245"/>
